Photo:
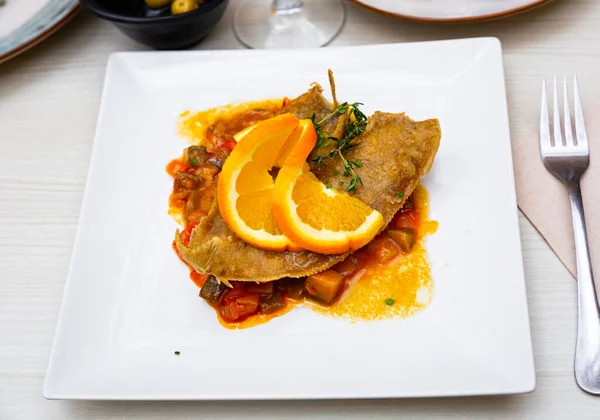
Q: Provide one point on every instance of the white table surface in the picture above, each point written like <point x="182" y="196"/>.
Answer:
<point x="49" y="100"/>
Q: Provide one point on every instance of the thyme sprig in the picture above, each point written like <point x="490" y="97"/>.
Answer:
<point x="356" y="123"/>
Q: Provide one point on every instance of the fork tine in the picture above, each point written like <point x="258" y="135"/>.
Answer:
<point x="579" y="123"/>
<point x="567" y="116"/>
<point x="558" y="141"/>
<point x="544" y="120"/>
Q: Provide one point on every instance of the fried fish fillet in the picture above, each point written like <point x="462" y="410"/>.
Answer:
<point x="395" y="150"/>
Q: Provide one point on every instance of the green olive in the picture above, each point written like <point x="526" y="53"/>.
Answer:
<point x="183" y="6"/>
<point x="157" y="4"/>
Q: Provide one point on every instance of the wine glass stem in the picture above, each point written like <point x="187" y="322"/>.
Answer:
<point x="285" y="5"/>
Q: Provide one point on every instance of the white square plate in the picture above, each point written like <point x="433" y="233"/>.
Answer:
<point x="128" y="302"/>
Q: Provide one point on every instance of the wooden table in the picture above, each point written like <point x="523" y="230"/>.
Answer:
<point x="49" y="100"/>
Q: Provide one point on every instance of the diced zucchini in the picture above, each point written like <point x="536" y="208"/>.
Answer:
<point x="404" y="238"/>
<point x="324" y="286"/>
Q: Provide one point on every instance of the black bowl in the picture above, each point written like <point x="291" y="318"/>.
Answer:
<point x="159" y="29"/>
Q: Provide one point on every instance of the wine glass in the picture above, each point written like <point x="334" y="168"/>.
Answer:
<point x="288" y="23"/>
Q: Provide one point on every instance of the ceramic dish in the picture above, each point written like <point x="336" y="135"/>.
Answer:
<point x="25" y="23"/>
<point x="450" y="10"/>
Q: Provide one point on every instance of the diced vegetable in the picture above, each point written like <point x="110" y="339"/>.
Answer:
<point x="238" y="289"/>
<point x="271" y="303"/>
<point x="213" y="290"/>
<point x="324" y="286"/>
<point x="291" y="288"/>
<point x="349" y="267"/>
<point x="219" y="158"/>
<point x="408" y="218"/>
<point x="185" y="181"/>
<point x="193" y="206"/>
<point x="176" y="166"/>
<point x="404" y="238"/>
<point x="241" y="308"/>
<point x="261" y="288"/>
<point x="229" y="145"/>
<point x="383" y="250"/>
<point x="207" y="172"/>
<point x="248" y="304"/>
<point x="195" y="155"/>
<point x="206" y="203"/>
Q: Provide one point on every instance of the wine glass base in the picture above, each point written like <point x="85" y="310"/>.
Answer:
<point x="314" y="24"/>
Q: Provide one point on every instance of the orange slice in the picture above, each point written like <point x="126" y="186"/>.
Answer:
<point x="245" y="186"/>
<point x="313" y="216"/>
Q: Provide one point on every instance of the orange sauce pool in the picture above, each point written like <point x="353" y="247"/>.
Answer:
<point x="406" y="280"/>
<point x="376" y="288"/>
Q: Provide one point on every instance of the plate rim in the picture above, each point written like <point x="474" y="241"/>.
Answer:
<point x="48" y="393"/>
<point x="57" y="23"/>
<point x="465" y="19"/>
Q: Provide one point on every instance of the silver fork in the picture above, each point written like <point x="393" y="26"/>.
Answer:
<point x="567" y="160"/>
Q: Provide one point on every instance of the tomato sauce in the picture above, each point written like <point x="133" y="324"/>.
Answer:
<point x="388" y="277"/>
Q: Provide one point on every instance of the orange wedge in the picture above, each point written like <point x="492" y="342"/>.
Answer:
<point x="313" y="216"/>
<point x="245" y="186"/>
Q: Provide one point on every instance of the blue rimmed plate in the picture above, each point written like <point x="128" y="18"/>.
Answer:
<point x="25" y="23"/>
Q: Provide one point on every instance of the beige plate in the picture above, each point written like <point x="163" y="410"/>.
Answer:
<point x="450" y="10"/>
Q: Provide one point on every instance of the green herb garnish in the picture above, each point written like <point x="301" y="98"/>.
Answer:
<point x="389" y="302"/>
<point x="177" y="353"/>
<point x="400" y="193"/>
<point x="356" y="123"/>
<point x="193" y="161"/>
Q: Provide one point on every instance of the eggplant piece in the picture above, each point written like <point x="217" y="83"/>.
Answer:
<point x="272" y="303"/>
<point x="185" y="181"/>
<point x="196" y="155"/>
<point x="219" y="158"/>
<point x="213" y="290"/>
<point x="324" y="286"/>
<point x="292" y="288"/>
<point x="261" y="288"/>
<point x="404" y="238"/>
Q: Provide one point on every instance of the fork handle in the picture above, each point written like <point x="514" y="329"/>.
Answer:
<point x="587" y="351"/>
